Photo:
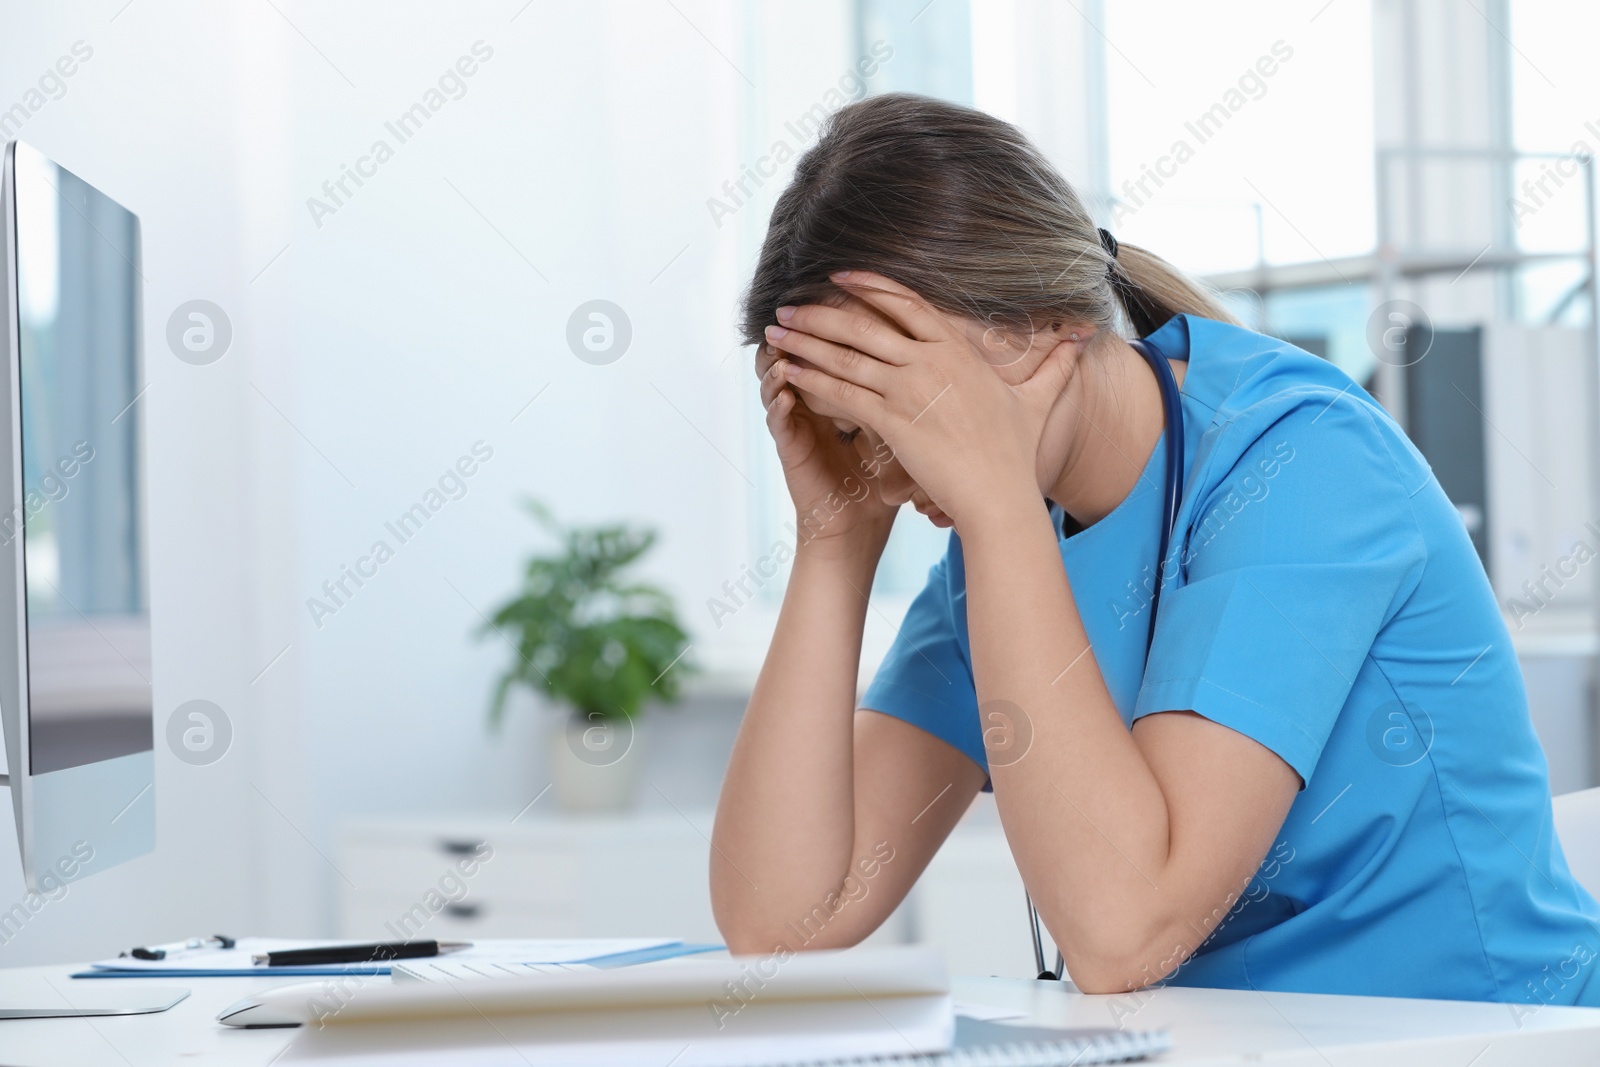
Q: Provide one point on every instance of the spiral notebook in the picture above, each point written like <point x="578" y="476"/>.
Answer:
<point x="980" y="1043"/>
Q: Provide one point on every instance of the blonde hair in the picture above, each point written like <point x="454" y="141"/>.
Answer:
<point x="960" y="207"/>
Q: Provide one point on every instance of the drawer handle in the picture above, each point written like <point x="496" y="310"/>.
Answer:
<point x="463" y="911"/>
<point x="461" y="848"/>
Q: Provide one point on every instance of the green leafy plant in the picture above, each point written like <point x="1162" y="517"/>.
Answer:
<point x="585" y="635"/>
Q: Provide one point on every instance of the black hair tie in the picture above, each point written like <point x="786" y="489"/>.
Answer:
<point x="1145" y="315"/>
<point x="1108" y="242"/>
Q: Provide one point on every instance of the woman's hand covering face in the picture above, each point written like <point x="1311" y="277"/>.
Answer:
<point x="914" y="376"/>
<point x="828" y="465"/>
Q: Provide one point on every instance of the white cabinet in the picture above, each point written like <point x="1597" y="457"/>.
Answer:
<point x="639" y="875"/>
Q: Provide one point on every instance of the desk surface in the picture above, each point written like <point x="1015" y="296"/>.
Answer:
<point x="1208" y="1026"/>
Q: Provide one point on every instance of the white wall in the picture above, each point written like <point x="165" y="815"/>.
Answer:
<point x="369" y="354"/>
<point x="433" y="307"/>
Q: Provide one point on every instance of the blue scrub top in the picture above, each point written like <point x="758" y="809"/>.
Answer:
<point x="1324" y="600"/>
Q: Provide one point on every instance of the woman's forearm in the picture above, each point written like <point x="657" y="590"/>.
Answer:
<point x="785" y="828"/>
<point x="1084" y="812"/>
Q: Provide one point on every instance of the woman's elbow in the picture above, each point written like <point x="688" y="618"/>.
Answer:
<point x="1121" y="964"/>
<point x="1108" y="976"/>
<point x="743" y="929"/>
<point x="748" y="930"/>
<point x="762" y="940"/>
<point x="748" y="942"/>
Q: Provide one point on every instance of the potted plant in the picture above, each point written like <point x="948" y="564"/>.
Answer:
<point x="600" y="645"/>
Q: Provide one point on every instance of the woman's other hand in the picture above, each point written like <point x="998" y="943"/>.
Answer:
<point x="829" y="473"/>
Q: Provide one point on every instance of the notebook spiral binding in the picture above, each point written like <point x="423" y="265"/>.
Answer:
<point x="1109" y="1046"/>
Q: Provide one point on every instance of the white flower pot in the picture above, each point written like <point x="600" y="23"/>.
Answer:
<point x="596" y="764"/>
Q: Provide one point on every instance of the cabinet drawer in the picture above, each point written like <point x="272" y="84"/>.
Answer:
<point x="401" y="870"/>
<point x="389" y="918"/>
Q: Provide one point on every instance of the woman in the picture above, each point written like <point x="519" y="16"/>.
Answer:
<point x="1315" y="772"/>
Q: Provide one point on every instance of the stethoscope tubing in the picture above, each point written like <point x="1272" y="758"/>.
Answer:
<point x="1172" y="489"/>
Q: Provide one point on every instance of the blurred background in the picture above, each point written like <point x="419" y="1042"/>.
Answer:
<point x="452" y="258"/>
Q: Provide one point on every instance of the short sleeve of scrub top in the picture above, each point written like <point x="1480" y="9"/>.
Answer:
<point x="925" y="679"/>
<point x="1295" y="559"/>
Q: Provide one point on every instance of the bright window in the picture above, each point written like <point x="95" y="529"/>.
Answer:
<point x="1241" y="138"/>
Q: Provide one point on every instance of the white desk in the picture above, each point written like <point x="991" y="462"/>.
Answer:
<point x="1208" y="1026"/>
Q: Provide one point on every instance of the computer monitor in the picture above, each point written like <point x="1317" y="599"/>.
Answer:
<point x="75" y="691"/>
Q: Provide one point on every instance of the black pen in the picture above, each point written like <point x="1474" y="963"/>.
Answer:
<point x="374" y="952"/>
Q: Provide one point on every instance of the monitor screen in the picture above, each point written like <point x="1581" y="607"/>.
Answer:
<point x="88" y="621"/>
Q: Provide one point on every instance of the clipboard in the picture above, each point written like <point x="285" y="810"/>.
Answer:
<point x="225" y="958"/>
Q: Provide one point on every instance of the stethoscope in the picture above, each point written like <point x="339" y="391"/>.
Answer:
<point x="1172" y="495"/>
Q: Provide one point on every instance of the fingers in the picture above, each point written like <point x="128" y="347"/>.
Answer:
<point x="861" y="307"/>
<point x="783" y="414"/>
<point x="907" y="310"/>
<point x="1051" y="377"/>
<point x="839" y="361"/>
<point x="772" y="381"/>
<point x="863" y="406"/>
<point x="780" y="421"/>
<point x="765" y="356"/>
<point x="853" y="327"/>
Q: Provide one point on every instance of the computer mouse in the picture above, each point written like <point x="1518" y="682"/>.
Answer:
<point x="260" y="1012"/>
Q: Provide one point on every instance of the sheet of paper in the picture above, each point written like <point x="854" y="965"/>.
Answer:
<point x="987" y="1013"/>
<point x="444" y="969"/>
<point x="546" y="950"/>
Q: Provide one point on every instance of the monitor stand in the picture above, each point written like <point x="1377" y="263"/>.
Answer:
<point x="147" y="1002"/>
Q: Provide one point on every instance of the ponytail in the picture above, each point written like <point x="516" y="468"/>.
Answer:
<point x="1151" y="291"/>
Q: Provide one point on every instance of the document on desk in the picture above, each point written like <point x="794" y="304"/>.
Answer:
<point x="710" y="1013"/>
<point x="213" y="962"/>
<point x="878" y="1006"/>
<point x="482" y="967"/>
